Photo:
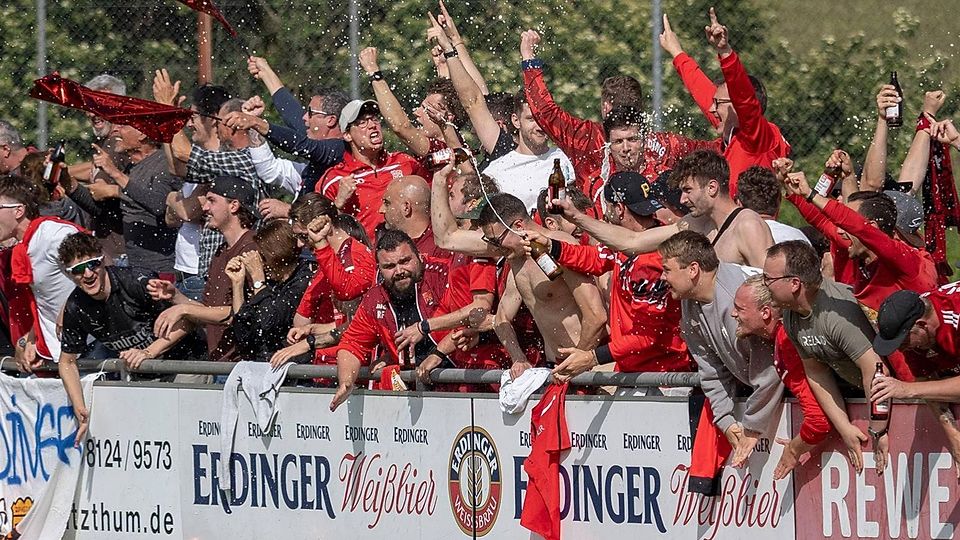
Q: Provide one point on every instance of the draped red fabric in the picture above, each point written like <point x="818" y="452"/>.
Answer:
<point x="208" y="7"/>
<point x="158" y="121"/>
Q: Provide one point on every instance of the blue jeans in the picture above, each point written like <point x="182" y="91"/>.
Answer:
<point x="192" y="287"/>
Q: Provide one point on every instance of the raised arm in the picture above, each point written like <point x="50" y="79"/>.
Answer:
<point x="289" y="107"/>
<point x="700" y="86"/>
<point x="616" y="237"/>
<point x="446" y="233"/>
<point x="875" y="164"/>
<point x="469" y="91"/>
<point x="463" y="54"/>
<point x="915" y="165"/>
<point x="412" y="136"/>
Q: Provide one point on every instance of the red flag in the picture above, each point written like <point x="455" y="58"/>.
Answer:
<point x="550" y="437"/>
<point x="158" y="121"/>
<point x="208" y="7"/>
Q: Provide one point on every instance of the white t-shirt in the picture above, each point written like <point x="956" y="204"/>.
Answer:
<point x="524" y="175"/>
<point x="50" y="286"/>
<point x="782" y="232"/>
<point x="187" y="250"/>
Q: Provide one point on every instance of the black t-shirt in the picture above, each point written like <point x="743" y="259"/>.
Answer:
<point x="505" y="144"/>
<point x="124" y="320"/>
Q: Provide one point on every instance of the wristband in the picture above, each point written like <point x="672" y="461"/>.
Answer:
<point x="425" y="327"/>
<point x="923" y="122"/>
<point x="878" y="434"/>
<point x="533" y="63"/>
<point x="813" y="193"/>
<point x="451" y="53"/>
<point x="376" y="75"/>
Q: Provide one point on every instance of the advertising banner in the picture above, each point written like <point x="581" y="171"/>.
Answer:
<point x="918" y="496"/>
<point x="39" y="465"/>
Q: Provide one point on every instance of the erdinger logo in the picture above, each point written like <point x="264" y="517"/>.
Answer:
<point x="475" y="481"/>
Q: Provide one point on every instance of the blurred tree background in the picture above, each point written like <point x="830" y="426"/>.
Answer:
<point x="822" y="61"/>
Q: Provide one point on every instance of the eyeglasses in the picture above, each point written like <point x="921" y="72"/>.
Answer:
<point x="11" y="205"/>
<point x="313" y="112"/>
<point x="81" y="267"/>
<point x="366" y="121"/>
<point x="718" y="102"/>
<point x="767" y="280"/>
<point x="498" y="241"/>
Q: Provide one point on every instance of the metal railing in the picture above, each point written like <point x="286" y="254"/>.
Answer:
<point x="437" y="376"/>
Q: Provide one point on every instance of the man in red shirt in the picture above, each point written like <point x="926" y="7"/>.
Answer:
<point x="584" y="141"/>
<point x="357" y="184"/>
<point x="926" y="327"/>
<point x="882" y="262"/>
<point x="735" y="108"/>
<point x="756" y="316"/>
<point x="406" y="207"/>
<point x="410" y="291"/>
<point x="644" y="319"/>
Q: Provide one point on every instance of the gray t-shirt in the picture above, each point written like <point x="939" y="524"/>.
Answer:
<point x="836" y="332"/>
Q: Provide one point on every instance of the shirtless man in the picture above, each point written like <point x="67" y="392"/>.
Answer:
<point x="738" y="235"/>
<point x="569" y="310"/>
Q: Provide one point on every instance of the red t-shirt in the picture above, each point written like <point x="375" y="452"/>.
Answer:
<point x="365" y="202"/>
<point x="756" y="140"/>
<point x="786" y="359"/>
<point x="644" y="318"/>
<point x="549" y="437"/>
<point x="943" y="360"/>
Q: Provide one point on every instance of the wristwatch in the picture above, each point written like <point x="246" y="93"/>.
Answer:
<point x="311" y="341"/>
<point x="258" y="284"/>
<point x="877" y="434"/>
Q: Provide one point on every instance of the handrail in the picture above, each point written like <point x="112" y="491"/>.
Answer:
<point x="309" y="371"/>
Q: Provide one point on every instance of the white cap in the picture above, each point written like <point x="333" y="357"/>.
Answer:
<point x="514" y="393"/>
<point x="351" y="111"/>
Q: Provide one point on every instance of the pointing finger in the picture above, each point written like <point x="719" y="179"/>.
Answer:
<point x="713" y="16"/>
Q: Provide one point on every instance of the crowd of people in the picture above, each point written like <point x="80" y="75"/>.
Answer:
<point x="309" y="241"/>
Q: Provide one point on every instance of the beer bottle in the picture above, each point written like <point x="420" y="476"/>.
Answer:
<point x="894" y="113"/>
<point x="827" y="180"/>
<point x="556" y="187"/>
<point x="541" y="254"/>
<point x="441" y="157"/>
<point x="879" y="410"/>
<point x="51" y="172"/>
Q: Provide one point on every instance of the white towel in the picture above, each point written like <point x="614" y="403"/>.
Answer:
<point x="514" y="393"/>
<point x="260" y="384"/>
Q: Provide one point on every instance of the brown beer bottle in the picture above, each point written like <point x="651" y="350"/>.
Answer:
<point x="894" y="113"/>
<point x="556" y="187"/>
<point x="879" y="410"/>
<point x="441" y="157"/>
<point x="827" y="180"/>
<point x="541" y="254"/>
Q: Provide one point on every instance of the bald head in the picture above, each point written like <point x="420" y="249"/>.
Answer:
<point x="406" y="204"/>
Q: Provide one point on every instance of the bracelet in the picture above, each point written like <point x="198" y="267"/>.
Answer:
<point x="811" y="195"/>
<point x="451" y="53"/>
<point x="425" y="327"/>
<point x="457" y="44"/>
<point x="376" y="75"/>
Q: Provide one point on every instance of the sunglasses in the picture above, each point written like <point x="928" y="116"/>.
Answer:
<point x="498" y="241"/>
<point x="11" y="205"/>
<point x="313" y="112"/>
<point x="81" y="267"/>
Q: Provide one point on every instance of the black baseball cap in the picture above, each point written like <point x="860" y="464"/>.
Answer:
<point x="897" y="315"/>
<point x="667" y="194"/>
<point x="232" y="187"/>
<point x="633" y="191"/>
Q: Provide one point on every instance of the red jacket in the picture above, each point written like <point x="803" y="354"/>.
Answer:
<point x="585" y="143"/>
<point x="365" y="202"/>
<point x="756" y="140"/>
<point x="375" y="322"/>
<point x="786" y="359"/>
<point x="844" y="271"/>
<point x="351" y="273"/>
<point x="644" y="318"/>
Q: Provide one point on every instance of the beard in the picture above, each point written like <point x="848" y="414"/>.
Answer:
<point x="398" y="294"/>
